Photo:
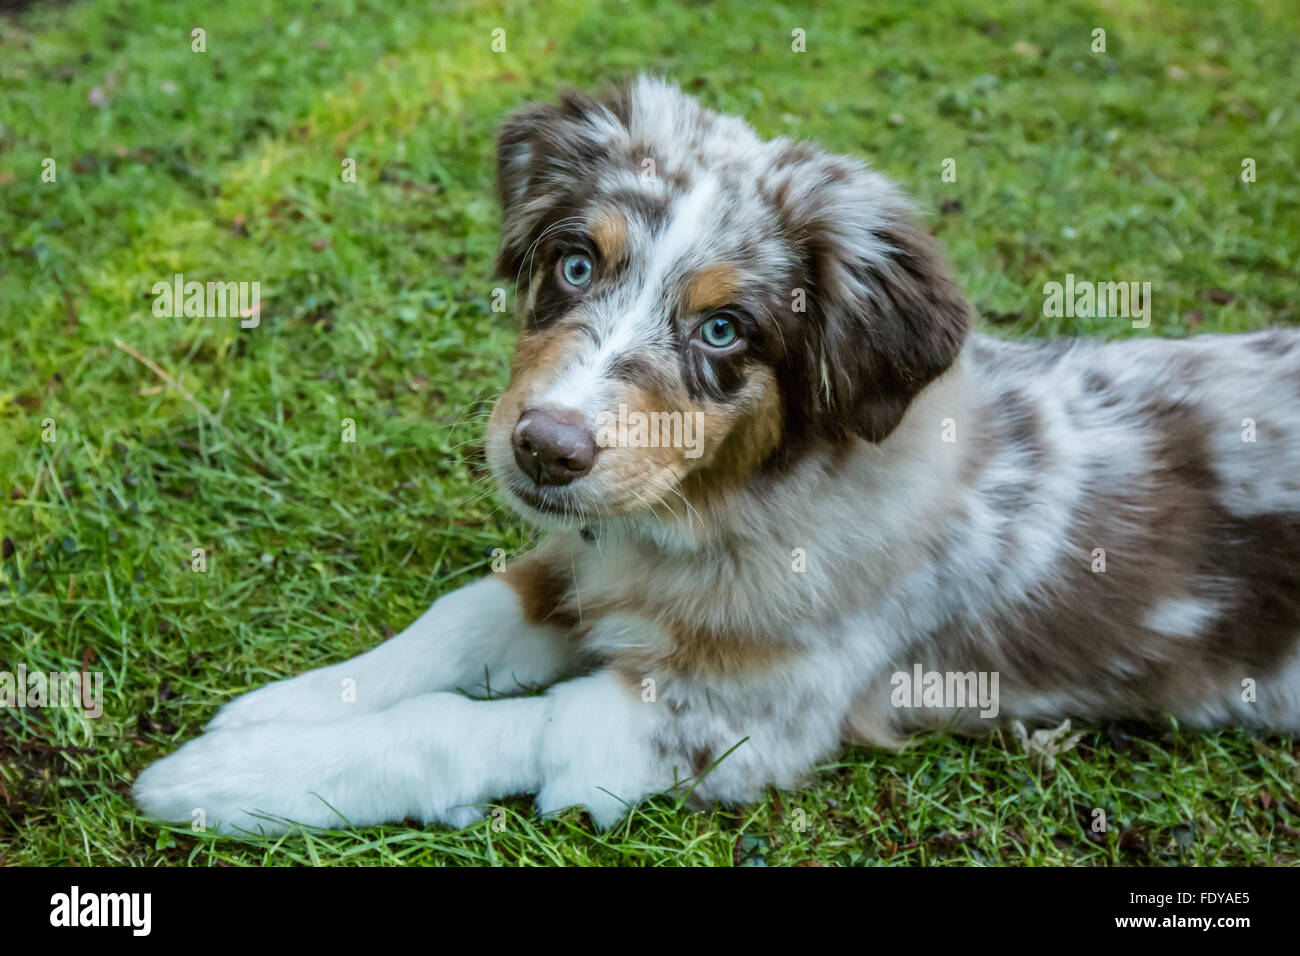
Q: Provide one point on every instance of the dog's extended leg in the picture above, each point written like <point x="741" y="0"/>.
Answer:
<point x="487" y="636"/>
<point x="433" y="758"/>
<point x="598" y="741"/>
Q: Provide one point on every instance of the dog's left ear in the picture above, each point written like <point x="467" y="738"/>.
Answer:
<point x="546" y="153"/>
<point x="884" y="314"/>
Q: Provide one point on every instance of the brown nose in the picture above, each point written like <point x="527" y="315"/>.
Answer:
<point x="553" y="446"/>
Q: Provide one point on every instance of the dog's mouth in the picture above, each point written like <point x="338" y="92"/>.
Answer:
<point x="558" y="506"/>
<point x="535" y="500"/>
<point x="559" y="499"/>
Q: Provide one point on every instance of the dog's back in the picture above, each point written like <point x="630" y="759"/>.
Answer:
<point x="1143" y="498"/>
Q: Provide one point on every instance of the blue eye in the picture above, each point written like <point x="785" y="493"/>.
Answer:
<point x="719" y="331"/>
<point x="576" y="269"/>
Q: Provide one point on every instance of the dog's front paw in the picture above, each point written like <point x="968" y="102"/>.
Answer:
<point x="241" y="780"/>
<point x="275" y="775"/>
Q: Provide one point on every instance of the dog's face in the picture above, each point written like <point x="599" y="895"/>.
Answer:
<point x="699" y="305"/>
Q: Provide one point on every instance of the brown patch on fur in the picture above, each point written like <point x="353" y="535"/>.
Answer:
<point x="696" y="652"/>
<point x="1166" y="539"/>
<point x="701" y="760"/>
<point x="537" y="353"/>
<point x="609" y="232"/>
<point x="711" y="288"/>
<point x="544" y="584"/>
<point x="688" y="649"/>
<point x="742" y="453"/>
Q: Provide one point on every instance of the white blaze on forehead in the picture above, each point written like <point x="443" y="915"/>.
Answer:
<point x="584" y="383"/>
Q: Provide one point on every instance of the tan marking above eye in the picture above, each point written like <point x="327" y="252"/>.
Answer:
<point x="711" y="288"/>
<point x="609" y="232"/>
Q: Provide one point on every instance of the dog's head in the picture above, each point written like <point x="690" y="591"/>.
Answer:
<point x="699" y="305"/>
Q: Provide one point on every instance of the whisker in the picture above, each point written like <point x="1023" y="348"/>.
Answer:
<point x="532" y="248"/>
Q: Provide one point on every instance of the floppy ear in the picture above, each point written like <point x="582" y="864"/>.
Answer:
<point x="885" y="316"/>
<point x="545" y="155"/>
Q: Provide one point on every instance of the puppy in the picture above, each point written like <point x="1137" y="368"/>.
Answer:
<point x="846" y="518"/>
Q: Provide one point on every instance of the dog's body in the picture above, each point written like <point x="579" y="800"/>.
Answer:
<point x="1111" y="530"/>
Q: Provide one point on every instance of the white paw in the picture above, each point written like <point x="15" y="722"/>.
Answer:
<point x="605" y="808"/>
<point x="228" y="780"/>
<point x="314" y="696"/>
<point x="354" y="772"/>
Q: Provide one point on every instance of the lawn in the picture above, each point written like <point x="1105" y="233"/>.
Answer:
<point x="171" y="434"/>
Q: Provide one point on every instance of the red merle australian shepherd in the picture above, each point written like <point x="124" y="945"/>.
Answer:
<point x="783" y="481"/>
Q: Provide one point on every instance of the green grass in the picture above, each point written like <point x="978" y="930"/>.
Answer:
<point x="225" y="165"/>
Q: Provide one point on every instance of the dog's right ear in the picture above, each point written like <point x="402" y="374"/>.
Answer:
<point x="547" y="154"/>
